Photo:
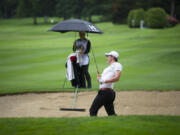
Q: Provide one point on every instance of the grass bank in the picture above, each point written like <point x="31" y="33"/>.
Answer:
<point x="120" y="125"/>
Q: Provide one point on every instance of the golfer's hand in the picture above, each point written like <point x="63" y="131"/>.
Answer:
<point x="101" y="81"/>
<point x="99" y="75"/>
<point x="81" y="51"/>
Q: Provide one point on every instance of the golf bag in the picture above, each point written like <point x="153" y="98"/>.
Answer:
<point x="75" y="72"/>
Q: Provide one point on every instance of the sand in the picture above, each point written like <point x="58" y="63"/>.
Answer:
<point x="126" y="103"/>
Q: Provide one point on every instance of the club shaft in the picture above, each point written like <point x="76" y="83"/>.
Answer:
<point x="95" y="60"/>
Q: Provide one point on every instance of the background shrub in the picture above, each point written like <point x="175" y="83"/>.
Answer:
<point x="137" y="15"/>
<point x="156" y="18"/>
<point x="130" y="17"/>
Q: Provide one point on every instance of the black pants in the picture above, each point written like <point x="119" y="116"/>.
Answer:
<point x="85" y="76"/>
<point x="104" y="98"/>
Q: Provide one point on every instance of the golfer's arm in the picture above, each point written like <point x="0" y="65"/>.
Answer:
<point x="115" y="78"/>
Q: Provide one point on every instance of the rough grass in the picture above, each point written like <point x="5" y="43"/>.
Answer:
<point x="32" y="59"/>
<point x="120" y="125"/>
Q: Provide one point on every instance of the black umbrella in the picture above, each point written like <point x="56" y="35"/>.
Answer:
<point x="75" y="25"/>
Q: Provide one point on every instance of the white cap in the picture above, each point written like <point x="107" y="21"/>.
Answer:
<point x="113" y="53"/>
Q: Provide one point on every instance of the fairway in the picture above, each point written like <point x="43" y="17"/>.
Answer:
<point x="32" y="59"/>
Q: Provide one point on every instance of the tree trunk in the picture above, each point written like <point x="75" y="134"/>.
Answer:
<point x="45" y="19"/>
<point x="34" y="20"/>
<point x="172" y="8"/>
<point x="90" y="19"/>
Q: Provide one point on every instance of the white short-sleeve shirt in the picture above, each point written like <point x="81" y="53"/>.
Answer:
<point x="109" y="73"/>
<point x="85" y="59"/>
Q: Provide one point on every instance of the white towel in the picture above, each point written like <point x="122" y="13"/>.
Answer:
<point x="70" y="70"/>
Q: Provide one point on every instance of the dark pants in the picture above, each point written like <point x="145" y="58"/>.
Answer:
<point x="85" y="76"/>
<point x="104" y="98"/>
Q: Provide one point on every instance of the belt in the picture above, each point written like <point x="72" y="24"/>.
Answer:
<point x="106" y="89"/>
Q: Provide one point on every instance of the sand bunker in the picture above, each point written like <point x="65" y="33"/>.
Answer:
<point x="126" y="103"/>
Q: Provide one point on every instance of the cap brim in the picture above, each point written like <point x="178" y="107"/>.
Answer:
<point x="107" y="54"/>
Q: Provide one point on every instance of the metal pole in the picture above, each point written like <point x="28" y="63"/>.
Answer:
<point x="75" y="98"/>
<point x="64" y="83"/>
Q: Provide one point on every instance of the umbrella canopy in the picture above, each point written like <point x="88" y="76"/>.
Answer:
<point x="75" y="25"/>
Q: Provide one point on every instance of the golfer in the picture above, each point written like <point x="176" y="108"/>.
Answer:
<point x="82" y="48"/>
<point x="106" y="94"/>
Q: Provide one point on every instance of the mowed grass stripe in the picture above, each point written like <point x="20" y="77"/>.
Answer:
<point x="35" y="59"/>
<point x="31" y="56"/>
<point x="124" y="125"/>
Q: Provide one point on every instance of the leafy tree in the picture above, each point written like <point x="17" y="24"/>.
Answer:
<point x="121" y="9"/>
<point x="90" y="8"/>
<point x="29" y="8"/>
<point x="111" y="10"/>
<point x="64" y="8"/>
<point x="7" y="8"/>
<point x="35" y="8"/>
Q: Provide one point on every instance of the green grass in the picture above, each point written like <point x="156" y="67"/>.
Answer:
<point x="32" y="59"/>
<point x="120" y="125"/>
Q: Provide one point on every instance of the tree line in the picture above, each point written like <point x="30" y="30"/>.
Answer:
<point x="110" y="10"/>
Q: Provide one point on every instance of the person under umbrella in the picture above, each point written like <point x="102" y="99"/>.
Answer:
<point x="76" y="25"/>
<point x="82" y="47"/>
